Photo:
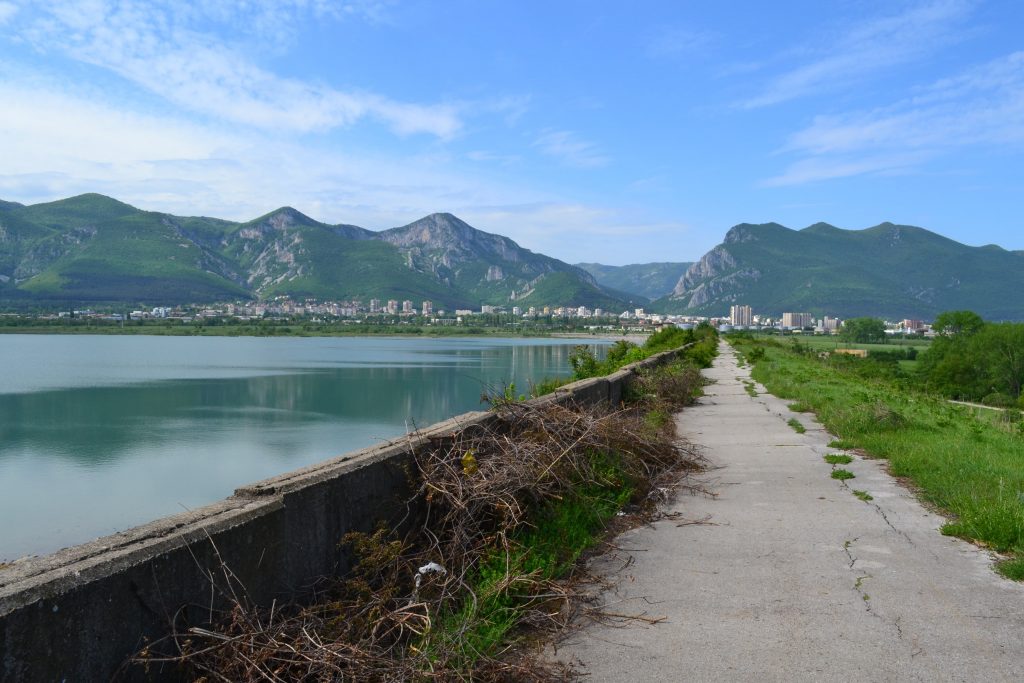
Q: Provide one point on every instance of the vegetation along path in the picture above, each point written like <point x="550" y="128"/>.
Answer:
<point x="785" y="574"/>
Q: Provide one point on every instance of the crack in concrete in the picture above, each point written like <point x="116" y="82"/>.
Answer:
<point x="858" y="587"/>
<point x="885" y="517"/>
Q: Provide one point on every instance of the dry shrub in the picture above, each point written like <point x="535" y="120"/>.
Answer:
<point x="474" y="495"/>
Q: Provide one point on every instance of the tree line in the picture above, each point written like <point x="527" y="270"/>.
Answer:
<point x="975" y="360"/>
<point x="970" y="359"/>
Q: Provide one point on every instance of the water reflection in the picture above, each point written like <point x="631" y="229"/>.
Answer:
<point x="80" y="460"/>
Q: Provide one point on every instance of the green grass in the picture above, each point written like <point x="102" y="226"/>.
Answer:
<point x="838" y="459"/>
<point x="750" y="388"/>
<point x="560" y="534"/>
<point x="829" y="343"/>
<point x="863" y="495"/>
<point x="800" y="407"/>
<point x="968" y="467"/>
<point x="842" y="474"/>
<point x="795" y="424"/>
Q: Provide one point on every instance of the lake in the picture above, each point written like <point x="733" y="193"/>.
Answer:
<point x="102" y="433"/>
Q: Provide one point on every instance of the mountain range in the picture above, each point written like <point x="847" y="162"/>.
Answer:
<point x="650" y="280"/>
<point x="95" y="249"/>
<point x="894" y="271"/>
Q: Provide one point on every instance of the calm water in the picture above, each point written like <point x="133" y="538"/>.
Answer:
<point x="101" y="433"/>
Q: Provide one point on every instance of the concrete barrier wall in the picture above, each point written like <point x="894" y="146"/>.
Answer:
<point x="78" y="614"/>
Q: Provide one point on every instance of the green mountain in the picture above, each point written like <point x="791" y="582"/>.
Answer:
<point x="94" y="249"/>
<point x="895" y="271"/>
<point x="649" y="280"/>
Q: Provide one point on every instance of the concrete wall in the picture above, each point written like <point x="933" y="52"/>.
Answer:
<point x="78" y="614"/>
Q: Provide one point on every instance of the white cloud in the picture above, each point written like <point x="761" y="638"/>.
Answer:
<point x="570" y="150"/>
<point x="7" y="11"/>
<point x="983" y="105"/>
<point x="167" y="49"/>
<point x="869" y="48"/>
<point x="578" y="233"/>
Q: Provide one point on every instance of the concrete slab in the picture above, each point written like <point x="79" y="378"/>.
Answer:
<point x="791" y="577"/>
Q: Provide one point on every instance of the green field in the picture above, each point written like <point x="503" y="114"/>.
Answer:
<point x="830" y="343"/>
<point x="968" y="462"/>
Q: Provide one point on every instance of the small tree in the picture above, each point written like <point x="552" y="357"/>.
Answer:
<point x="863" y="330"/>
<point x="955" y="323"/>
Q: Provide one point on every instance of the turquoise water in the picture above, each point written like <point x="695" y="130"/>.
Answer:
<point x="102" y="433"/>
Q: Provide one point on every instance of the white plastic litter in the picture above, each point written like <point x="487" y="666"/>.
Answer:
<point x="428" y="568"/>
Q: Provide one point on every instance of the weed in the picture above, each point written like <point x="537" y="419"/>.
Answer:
<point x="1012" y="569"/>
<point x="838" y="459"/>
<point x="750" y="388"/>
<point x="796" y="425"/>
<point x="656" y="419"/>
<point x="863" y="495"/>
<point x="800" y="407"/>
<point x="842" y="474"/>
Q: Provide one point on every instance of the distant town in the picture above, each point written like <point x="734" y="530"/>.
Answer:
<point x="392" y="311"/>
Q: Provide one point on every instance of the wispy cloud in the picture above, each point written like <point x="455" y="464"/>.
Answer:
<point x="675" y="42"/>
<point x="867" y="49"/>
<point x="168" y="49"/>
<point x="983" y="105"/>
<point x="7" y="10"/>
<point x="566" y="230"/>
<point x="56" y="144"/>
<point x="570" y="150"/>
<point x="60" y="144"/>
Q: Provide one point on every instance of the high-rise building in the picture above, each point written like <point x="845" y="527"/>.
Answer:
<point x="374" y="305"/>
<point x="407" y="307"/>
<point x="428" y="308"/>
<point x="797" y="320"/>
<point x="392" y="306"/>
<point x="741" y="315"/>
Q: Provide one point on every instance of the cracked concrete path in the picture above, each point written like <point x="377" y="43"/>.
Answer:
<point x="792" y="577"/>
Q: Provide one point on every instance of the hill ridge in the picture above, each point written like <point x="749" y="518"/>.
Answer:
<point x="888" y="269"/>
<point x="94" y="248"/>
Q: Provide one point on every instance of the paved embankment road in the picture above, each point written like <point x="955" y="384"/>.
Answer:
<point x="792" y="577"/>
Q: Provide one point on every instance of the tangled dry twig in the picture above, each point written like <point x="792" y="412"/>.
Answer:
<point x="413" y="606"/>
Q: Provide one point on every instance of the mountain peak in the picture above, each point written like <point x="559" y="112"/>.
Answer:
<point x="285" y="217"/>
<point x="821" y="228"/>
<point x="748" y="232"/>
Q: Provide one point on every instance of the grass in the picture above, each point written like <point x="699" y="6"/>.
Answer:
<point x="796" y="425"/>
<point x="801" y="407"/>
<point x="822" y="343"/>
<point x="842" y="475"/>
<point x="838" y="459"/>
<point x="970" y="468"/>
<point x="750" y="388"/>
<point x="548" y="551"/>
<point x="863" y="495"/>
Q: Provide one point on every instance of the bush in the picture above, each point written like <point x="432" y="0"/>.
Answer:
<point x="999" y="400"/>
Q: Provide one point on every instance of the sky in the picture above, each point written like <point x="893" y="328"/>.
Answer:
<point x="590" y="131"/>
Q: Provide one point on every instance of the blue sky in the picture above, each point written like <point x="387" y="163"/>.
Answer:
<point x="589" y="131"/>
